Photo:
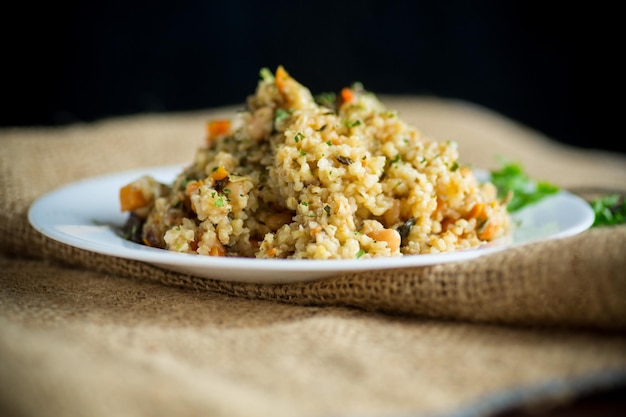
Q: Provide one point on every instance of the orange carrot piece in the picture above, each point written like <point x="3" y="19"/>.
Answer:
<point x="219" y="174"/>
<point x="487" y="232"/>
<point x="216" y="129"/>
<point x="131" y="198"/>
<point x="477" y="212"/>
<point x="217" y="250"/>
<point x="347" y="95"/>
<point x="192" y="186"/>
<point x="281" y="78"/>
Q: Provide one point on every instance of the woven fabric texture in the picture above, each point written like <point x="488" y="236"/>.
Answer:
<point x="95" y="335"/>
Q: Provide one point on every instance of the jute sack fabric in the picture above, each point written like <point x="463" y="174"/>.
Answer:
<point x="87" y="334"/>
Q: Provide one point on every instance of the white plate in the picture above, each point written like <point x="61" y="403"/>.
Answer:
<point x="86" y="214"/>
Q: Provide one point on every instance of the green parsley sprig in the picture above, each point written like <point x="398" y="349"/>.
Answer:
<point x="608" y="210"/>
<point x="511" y="180"/>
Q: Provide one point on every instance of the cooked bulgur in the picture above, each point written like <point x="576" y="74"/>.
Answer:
<point x="334" y="176"/>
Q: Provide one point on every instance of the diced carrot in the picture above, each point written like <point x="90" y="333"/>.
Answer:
<point x="217" y="250"/>
<point x="347" y="95"/>
<point x="193" y="186"/>
<point x="477" y="212"/>
<point x="271" y="252"/>
<point x="131" y="198"/>
<point x="487" y="231"/>
<point x="219" y="174"/>
<point x="281" y="78"/>
<point x="216" y="129"/>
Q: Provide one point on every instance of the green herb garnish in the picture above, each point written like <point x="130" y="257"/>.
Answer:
<point x="511" y="181"/>
<point x="281" y="115"/>
<point x="326" y="99"/>
<point x="395" y="160"/>
<point x="266" y="74"/>
<point x="352" y="123"/>
<point x="608" y="210"/>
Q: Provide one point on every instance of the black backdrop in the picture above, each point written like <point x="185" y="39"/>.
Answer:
<point x="549" y="66"/>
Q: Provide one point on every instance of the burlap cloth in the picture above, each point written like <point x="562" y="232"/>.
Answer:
<point x="83" y="334"/>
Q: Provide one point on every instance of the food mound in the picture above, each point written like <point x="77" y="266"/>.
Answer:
<point x="334" y="176"/>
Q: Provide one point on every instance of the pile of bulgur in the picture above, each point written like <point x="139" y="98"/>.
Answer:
<point x="334" y="176"/>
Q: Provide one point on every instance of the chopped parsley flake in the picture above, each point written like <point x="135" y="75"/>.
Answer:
<point x="281" y="115"/>
<point x="353" y="123"/>
<point x="266" y="74"/>
<point x="326" y="99"/>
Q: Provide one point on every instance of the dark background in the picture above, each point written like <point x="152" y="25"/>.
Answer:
<point x="550" y="66"/>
